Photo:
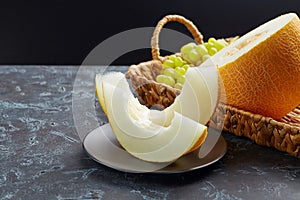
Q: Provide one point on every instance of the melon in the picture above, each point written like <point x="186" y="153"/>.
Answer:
<point x="261" y="70"/>
<point x="142" y="138"/>
<point x="115" y="78"/>
<point x="198" y="97"/>
<point x="160" y="136"/>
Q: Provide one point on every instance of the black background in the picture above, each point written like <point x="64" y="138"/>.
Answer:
<point x="64" y="32"/>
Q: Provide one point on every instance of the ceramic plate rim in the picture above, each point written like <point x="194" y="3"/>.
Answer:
<point x="165" y="170"/>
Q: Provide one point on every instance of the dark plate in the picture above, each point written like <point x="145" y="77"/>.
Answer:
<point x="102" y="146"/>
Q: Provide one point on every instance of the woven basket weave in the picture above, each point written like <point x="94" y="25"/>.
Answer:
<point x="283" y="134"/>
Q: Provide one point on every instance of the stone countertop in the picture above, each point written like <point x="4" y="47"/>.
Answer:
<point x="41" y="156"/>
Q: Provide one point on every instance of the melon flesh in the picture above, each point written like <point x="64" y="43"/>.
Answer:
<point x="160" y="136"/>
<point x="143" y="138"/>
<point x="261" y="70"/>
<point x="115" y="78"/>
<point x="198" y="97"/>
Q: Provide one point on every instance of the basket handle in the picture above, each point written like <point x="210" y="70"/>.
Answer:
<point x="198" y="37"/>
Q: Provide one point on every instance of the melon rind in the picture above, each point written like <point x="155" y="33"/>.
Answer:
<point x="263" y="77"/>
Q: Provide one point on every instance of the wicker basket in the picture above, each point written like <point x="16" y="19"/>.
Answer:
<point x="283" y="134"/>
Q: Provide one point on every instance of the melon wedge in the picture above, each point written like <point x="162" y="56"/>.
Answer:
<point x="115" y="78"/>
<point x="160" y="136"/>
<point x="261" y="70"/>
<point x="198" y="97"/>
<point x="141" y="137"/>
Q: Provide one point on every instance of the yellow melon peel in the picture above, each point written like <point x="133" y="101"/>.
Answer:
<point x="261" y="70"/>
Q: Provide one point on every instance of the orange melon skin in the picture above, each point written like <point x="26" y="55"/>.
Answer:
<point x="198" y="143"/>
<point x="266" y="79"/>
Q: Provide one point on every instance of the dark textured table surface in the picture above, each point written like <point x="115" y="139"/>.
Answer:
<point x="41" y="156"/>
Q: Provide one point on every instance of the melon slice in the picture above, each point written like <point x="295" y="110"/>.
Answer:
<point x="198" y="97"/>
<point x="115" y="78"/>
<point x="143" y="138"/>
<point x="261" y="70"/>
<point x="160" y="136"/>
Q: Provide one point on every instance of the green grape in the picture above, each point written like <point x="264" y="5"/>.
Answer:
<point x="168" y="64"/>
<point x="178" y="62"/>
<point x="160" y="78"/>
<point x="185" y="66"/>
<point x="186" y="57"/>
<point x="187" y="48"/>
<point x="222" y="41"/>
<point x="180" y="70"/>
<point x="207" y="45"/>
<point x="205" y="57"/>
<point x="212" y="40"/>
<point x="217" y="44"/>
<point x="194" y="57"/>
<point x="212" y="51"/>
<point x="173" y="58"/>
<point x="201" y="49"/>
<point x="181" y="79"/>
<point x="170" y="81"/>
<point x="177" y="74"/>
<point x="166" y="80"/>
<point x="169" y="72"/>
<point x="178" y="86"/>
<point x="175" y="67"/>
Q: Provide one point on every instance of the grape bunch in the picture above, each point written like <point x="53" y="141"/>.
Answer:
<point x="196" y="54"/>
<point x="173" y="72"/>
<point x="175" y="67"/>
